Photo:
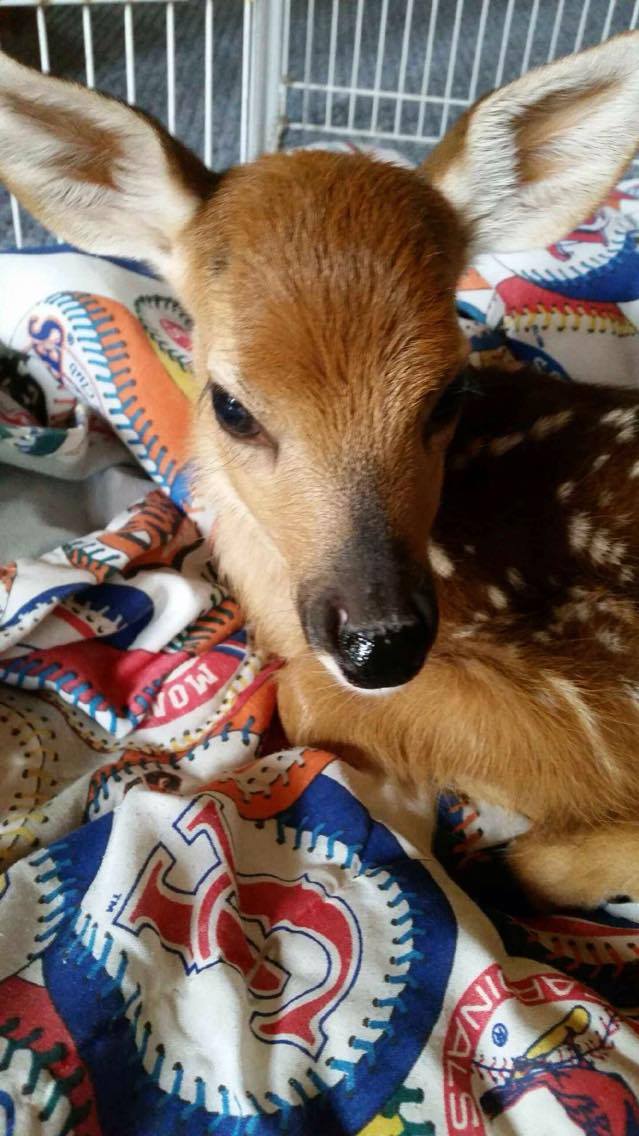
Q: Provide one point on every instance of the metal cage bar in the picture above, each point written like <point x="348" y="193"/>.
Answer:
<point x="357" y="47"/>
<point x="43" y="40"/>
<point x="330" y="80"/>
<point x="170" y="66"/>
<point x="403" y="63"/>
<point x="579" y="39"/>
<point x="87" y="39"/>
<point x="263" y="86"/>
<point x="505" y="37"/>
<point x="379" y="63"/>
<point x="209" y="15"/>
<point x="559" y="15"/>
<point x="530" y="37"/>
<point x="450" y="73"/>
<point x="428" y="62"/>
<point x="129" y="52"/>
<point x="481" y="32"/>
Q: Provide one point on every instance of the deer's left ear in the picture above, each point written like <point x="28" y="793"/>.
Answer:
<point x="96" y="172"/>
<point x="529" y="162"/>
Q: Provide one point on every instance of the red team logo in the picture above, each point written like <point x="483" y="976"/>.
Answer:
<point x="178" y="333"/>
<point x="228" y="916"/>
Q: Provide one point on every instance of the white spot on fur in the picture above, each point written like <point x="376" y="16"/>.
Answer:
<point x="632" y="691"/>
<point x="441" y="564"/>
<point x="541" y="637"/>
<point x="582" y="712"/>
<point x="610" y="640"/>
<point x="605" y="550"/>
<point x="600" y="546"/>
<point x="515" y="579"/>
<point x="579" y="531"/>
<point x="634" y="470"/>
<point x="618" y="550"/>
<point x="623" y="610"/>
<point x="620" y="416"/>
<point x="496" y="597"/>
<point x="605" y="498"/>
<point x="627" y="575"/>
<point x="481" y="616"/>
<point x="464" y="632"/>
<point x="624" y="417"/>
<point x="580" y="611"/>
<point x="565" y="490"/>
<point x="550" y="424"/>
<point x="470" y="549"/>
<point x="599" y="462"/>
<point x="500" y="446"/>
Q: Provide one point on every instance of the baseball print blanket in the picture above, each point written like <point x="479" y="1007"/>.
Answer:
<point x="203" y="930"/>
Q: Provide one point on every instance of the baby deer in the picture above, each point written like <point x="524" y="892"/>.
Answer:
<point x="490" y="643"/>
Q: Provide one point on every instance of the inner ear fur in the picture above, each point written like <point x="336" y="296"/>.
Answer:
<point x="102" y="175"/>
<point x="530" y="161"/>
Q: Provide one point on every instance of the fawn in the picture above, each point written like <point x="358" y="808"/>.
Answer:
<point x="492" y="643"/>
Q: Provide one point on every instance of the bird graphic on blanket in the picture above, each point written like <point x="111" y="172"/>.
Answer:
<point x="599" y="1103"/>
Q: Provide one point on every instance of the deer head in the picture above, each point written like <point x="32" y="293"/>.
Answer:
<point x="322" y="291"/>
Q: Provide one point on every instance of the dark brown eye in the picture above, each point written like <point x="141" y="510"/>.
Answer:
<point x="450" y="401"/>
<point x="233" y="416"/>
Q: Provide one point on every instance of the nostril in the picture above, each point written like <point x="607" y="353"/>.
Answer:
<point x="389" y="654"/>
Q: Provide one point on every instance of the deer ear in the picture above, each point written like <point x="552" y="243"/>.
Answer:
<point x="530" y="161"/>
<point x="98" y="173"/>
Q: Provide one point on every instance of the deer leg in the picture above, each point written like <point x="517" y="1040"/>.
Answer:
<point x="583" y="868"/>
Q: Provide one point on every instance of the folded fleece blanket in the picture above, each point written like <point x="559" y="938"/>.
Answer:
<point x="202" y="930"/>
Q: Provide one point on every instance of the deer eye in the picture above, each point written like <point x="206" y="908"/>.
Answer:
<point x="450" y="401"/>
<point x="233" y="416"/>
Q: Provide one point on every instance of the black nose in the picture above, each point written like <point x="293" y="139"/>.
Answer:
<point x="388" y="653"/>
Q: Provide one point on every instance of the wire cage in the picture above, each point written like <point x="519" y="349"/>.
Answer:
<point x="233" y="78"/>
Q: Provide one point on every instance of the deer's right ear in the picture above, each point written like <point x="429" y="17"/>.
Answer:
<point x="529" y="162"/>
<point x="96" y="172"/>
